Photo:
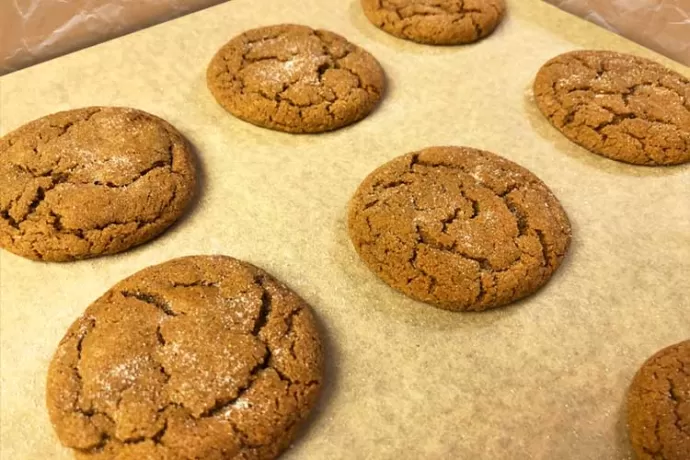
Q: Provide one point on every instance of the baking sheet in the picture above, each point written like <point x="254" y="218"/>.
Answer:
<point x="542" y="379"/>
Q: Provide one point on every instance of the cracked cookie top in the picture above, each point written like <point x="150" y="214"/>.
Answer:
<point x="458" y="228"/>
<point x="199" y="357"/>
<point x="91" y="181"/>
<point x="295" y="79"/>
<point x="620" y="106"/>
<point x="659" y="405"/>
<point x="436" y="22"/>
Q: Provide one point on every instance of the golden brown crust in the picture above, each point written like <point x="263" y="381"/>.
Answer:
<point x="659" y="405"/>
<point x="199" y="357"/>
<point x="436" y="22"/>
<point x="91" y="181"/>
<point x="458" y="228"/>
<point x="295" y="79"/>
<point x="617" y="105"/>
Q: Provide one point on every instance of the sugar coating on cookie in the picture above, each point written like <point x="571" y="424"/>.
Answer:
<point x="617" y="105"/>
<point x="199" y="357"/>
<point x="436" y="22"/>
<point x="91" y="181"/>
<point x="296" y="79"/>
<point x="459" y="228"/>
<point x="659" y="405"/>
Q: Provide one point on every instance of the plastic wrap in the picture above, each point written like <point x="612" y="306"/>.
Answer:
<point x="661" y="25"/>
<point x="32" y="31"/>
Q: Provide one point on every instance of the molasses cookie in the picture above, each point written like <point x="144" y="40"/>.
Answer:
<point x="91" y="181"/>
<point x="201" y="357"/>
<point x="436" y="22"/>
<point x="295" y="79"/>
<point x="659" y="405"/>
<point x="458" y="228"/>
<point x="620" y="106"/>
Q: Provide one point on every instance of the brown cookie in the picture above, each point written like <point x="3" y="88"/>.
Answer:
<point x="91" y="181"/>
<point x="620" y="106"/>
<point x="295" y="79"/>
<point x="202" y="357"/>
<point x="659" y="405"/>
<point x="436" y="22"/>
<point x="458" y="228"/>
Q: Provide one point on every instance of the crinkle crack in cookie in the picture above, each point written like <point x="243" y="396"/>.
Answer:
<point x="201" y="357"/>
<point x="295" y="79"/>
<point x="91" y="181"/>
<point x="458" y="228"/>
<point x="659" y="405"/>
<point x="620" y="106"/>
<point x="436" y="22"/>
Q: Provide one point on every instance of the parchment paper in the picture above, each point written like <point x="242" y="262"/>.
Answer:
<point x="542" y="379"/>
